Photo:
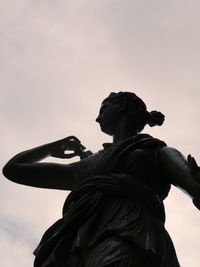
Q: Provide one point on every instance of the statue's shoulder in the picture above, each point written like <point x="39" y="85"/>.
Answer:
<point x="147" y="140"/>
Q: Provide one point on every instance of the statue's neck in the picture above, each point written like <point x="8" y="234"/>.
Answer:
<point x="123" y="133"/>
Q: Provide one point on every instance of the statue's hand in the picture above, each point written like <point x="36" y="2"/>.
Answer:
<point x="70" y="143"/>
<point x="195" y="173"/>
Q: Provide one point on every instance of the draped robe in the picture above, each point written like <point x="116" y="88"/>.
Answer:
<point x="116" y="210"/>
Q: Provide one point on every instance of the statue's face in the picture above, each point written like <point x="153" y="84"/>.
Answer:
<point x="109" y="117"/>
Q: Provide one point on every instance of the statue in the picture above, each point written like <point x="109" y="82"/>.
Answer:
<point x="114" y="215"/>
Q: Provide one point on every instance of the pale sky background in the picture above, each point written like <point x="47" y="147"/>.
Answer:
<point x="58" y="60"/>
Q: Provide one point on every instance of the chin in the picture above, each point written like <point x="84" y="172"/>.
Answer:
<point x="106" y="131"/>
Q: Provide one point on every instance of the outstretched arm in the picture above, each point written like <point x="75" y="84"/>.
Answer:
<point x="26" y="168"/>
<point x="182" y="172"/>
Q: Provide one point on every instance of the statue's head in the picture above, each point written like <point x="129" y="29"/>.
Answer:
<point x="129" y="106"/>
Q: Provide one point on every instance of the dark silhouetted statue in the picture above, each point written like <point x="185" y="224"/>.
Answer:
<point x="114" y="215"/>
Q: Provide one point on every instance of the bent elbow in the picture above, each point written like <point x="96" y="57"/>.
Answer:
<point x="8" y="172"/>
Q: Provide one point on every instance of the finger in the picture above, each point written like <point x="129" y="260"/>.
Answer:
<point x="189" y="158"/>
<point x="73" y="145"/>
<point x="68" y="141"/>
<point x="68" y="144"/>
<point x="81" y="146"/>
<point x="58" y="155"/>
<point x="69" y="156"/>
<point x="194" y="164"/>
<point x="72" y="138"/>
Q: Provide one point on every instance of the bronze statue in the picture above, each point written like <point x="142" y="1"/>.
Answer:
<point x="114" y="215"/>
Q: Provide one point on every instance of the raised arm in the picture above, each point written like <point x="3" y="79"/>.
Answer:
<point x="182" y="172"/>
<point x="25" y="168"/>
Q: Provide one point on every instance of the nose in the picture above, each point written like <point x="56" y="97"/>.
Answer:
<point x="98" y="119"/>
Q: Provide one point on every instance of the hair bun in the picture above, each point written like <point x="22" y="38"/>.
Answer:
<point x="155" y="118"/>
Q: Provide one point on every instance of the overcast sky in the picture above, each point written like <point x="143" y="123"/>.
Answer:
<point x="59" y="59"/>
